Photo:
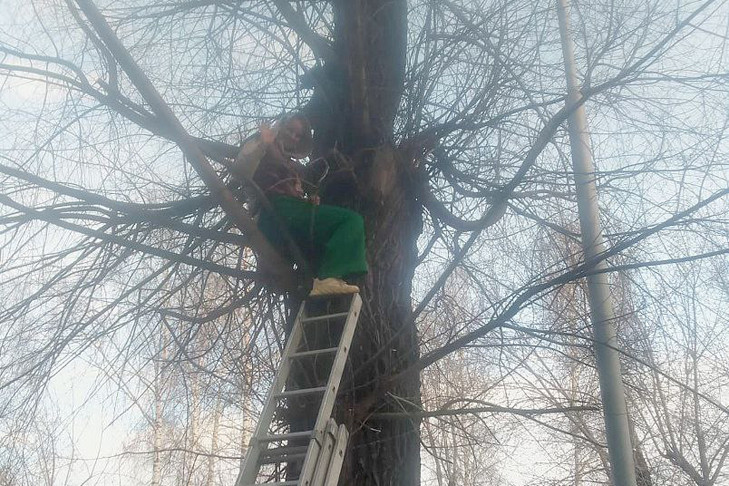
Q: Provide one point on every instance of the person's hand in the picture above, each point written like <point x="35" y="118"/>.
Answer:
<point x="268" y="136"/>
<point x="314" y="200"/>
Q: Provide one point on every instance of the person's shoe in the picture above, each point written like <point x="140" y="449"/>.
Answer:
<point x="332" y="286"/>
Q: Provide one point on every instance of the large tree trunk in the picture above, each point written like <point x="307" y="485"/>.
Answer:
<point x="385" y="453"/>
<point x="353" y="110"/>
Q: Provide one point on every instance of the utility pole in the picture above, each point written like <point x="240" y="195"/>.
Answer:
<point x="601" y="306"/>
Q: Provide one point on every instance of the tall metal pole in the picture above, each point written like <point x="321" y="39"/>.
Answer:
<point x="601" y="306"/>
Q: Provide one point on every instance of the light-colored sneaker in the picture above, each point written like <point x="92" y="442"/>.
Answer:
<point x="332" y="286"/>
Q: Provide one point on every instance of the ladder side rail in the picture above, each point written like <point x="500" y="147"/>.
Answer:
<point x="311" y="459"/>
<point x="250" y="468"/>
<point x="335" y="466"/>
<point x="340" y="361"/>
<point x="330" y="395"/>
<point x="325" y="455"/>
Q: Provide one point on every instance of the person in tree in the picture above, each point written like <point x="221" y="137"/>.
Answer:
<point x="333" y="236"/>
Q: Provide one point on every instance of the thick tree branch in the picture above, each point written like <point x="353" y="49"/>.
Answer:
<point x="526" y="294"/>
<point x="51" y="217"/>
<point x="578" y="272"/>
<point x="197" y="159"/>
<point x="318" y="44"/>
<point x="487" y="409"/>
<point x="134" y="212"/>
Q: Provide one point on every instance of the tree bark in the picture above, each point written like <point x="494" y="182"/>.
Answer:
<point x="356" y="97"/>
<point x="385" y="452"/>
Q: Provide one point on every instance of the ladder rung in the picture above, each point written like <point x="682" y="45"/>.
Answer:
<point x="325" y="316"/>
<point x="291" y="435"/>
<point x="303" y="391"/>
<point x="283" y="454"/>
<point x="282" y="459"/>
<point x="286" y="450"/>
<point x="313" y="352"/>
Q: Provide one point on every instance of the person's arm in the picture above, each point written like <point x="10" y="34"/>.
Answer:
<point x="251" y="153"/>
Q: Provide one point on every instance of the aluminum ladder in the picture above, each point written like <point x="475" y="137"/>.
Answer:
<point x="271" y="454"/>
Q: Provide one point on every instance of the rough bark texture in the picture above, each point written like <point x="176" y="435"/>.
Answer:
<point x="352" y="110"/>
<point x="385" y="453"/>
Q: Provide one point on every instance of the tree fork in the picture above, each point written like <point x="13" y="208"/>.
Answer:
<point x="187" y="144"/>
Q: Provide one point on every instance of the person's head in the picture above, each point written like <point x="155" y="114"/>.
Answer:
<point x="294" y="136"/>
